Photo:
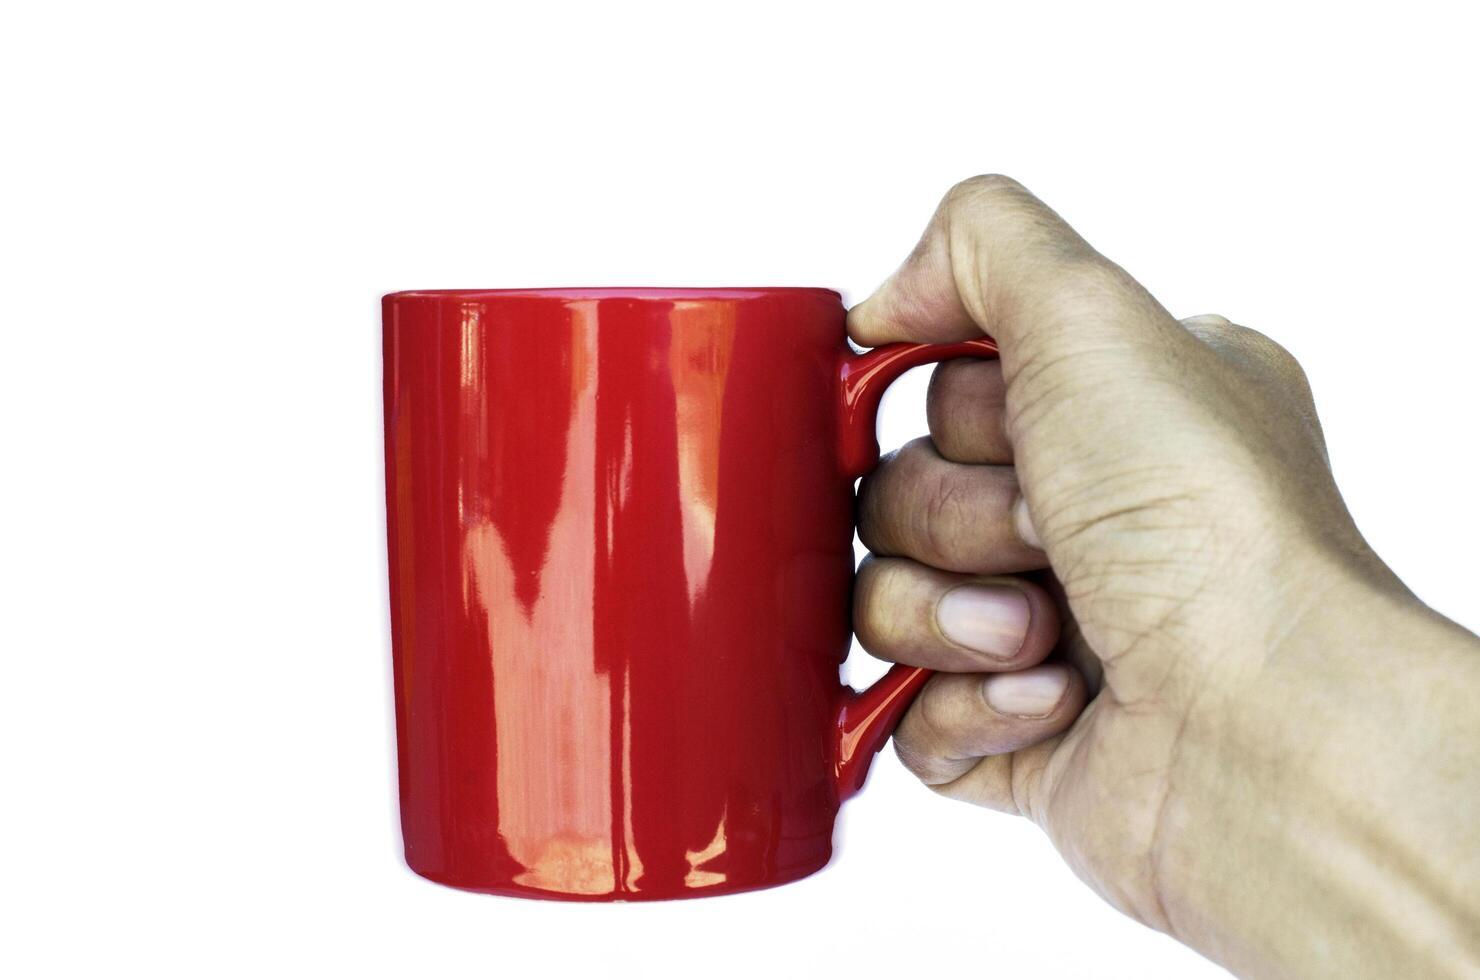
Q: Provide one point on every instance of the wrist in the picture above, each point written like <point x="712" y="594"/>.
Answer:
<point x="1299" y="834"/>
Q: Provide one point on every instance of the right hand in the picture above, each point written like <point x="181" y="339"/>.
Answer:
<point x="1223" y="713"/>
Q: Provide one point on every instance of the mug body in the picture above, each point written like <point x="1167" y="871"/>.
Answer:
<point x="620" y="544"/>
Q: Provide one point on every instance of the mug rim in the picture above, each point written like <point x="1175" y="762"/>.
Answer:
<point x="617" y="292"/>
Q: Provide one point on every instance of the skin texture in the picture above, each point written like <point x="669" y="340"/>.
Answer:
<point x="1184" y="663"/>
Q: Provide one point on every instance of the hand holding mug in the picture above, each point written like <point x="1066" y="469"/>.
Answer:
<point x="1159" y="634"/>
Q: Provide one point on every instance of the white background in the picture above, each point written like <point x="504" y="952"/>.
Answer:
<point x="202" y="204"/>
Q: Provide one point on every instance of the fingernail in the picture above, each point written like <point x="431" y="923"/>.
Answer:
<point x="992" y="619"/>
<point x="1022" y="522"/>
<point x="1027" y="693"/>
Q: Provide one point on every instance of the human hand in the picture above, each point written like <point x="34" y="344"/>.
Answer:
<point x="1159" y="632"/>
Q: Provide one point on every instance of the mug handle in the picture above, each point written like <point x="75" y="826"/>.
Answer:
<point x="866" y="719"/>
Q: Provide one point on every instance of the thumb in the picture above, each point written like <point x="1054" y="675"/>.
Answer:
<point x="920" y="301"/>
<point x="995" y="259"/>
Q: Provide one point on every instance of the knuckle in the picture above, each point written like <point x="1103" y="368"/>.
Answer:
<point x="1220" y="330"/>
<point x="1207" y="326"/>
<point x="939" y="404"/>
<point x="865" y="601"/>
<point x="873" y="608"/>
<point x="923" y="737"/>
<point x="1025" y="780"/>
<point x="1272" y="351"/>
<point x="951" y="439"/>
<point x="874" y="526"/>
<point x="945" y="516"/>
<point x="1251" y="339"/>
<point x="867" y="516"/>
<point x="942" y="408"/>
<point x="998" y="196"/>
<point x="914" y="455"/>
<point x="939" y="714"/>
<point x="984" y="185"/>
<point x="1260" y="349"/>
<point x="911" y="756"/>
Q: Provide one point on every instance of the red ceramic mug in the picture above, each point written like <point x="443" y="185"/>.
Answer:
<point x="620" y="533"/>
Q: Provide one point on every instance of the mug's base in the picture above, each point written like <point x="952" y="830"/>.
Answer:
<point x="657" y="893"/>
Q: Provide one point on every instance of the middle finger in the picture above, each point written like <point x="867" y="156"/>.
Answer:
<point x="952" y="516"/>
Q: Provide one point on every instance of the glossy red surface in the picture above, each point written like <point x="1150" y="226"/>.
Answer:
<point x="620" y="531"/>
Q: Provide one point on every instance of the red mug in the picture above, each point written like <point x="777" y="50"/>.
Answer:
<point x="620" y="525"/>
